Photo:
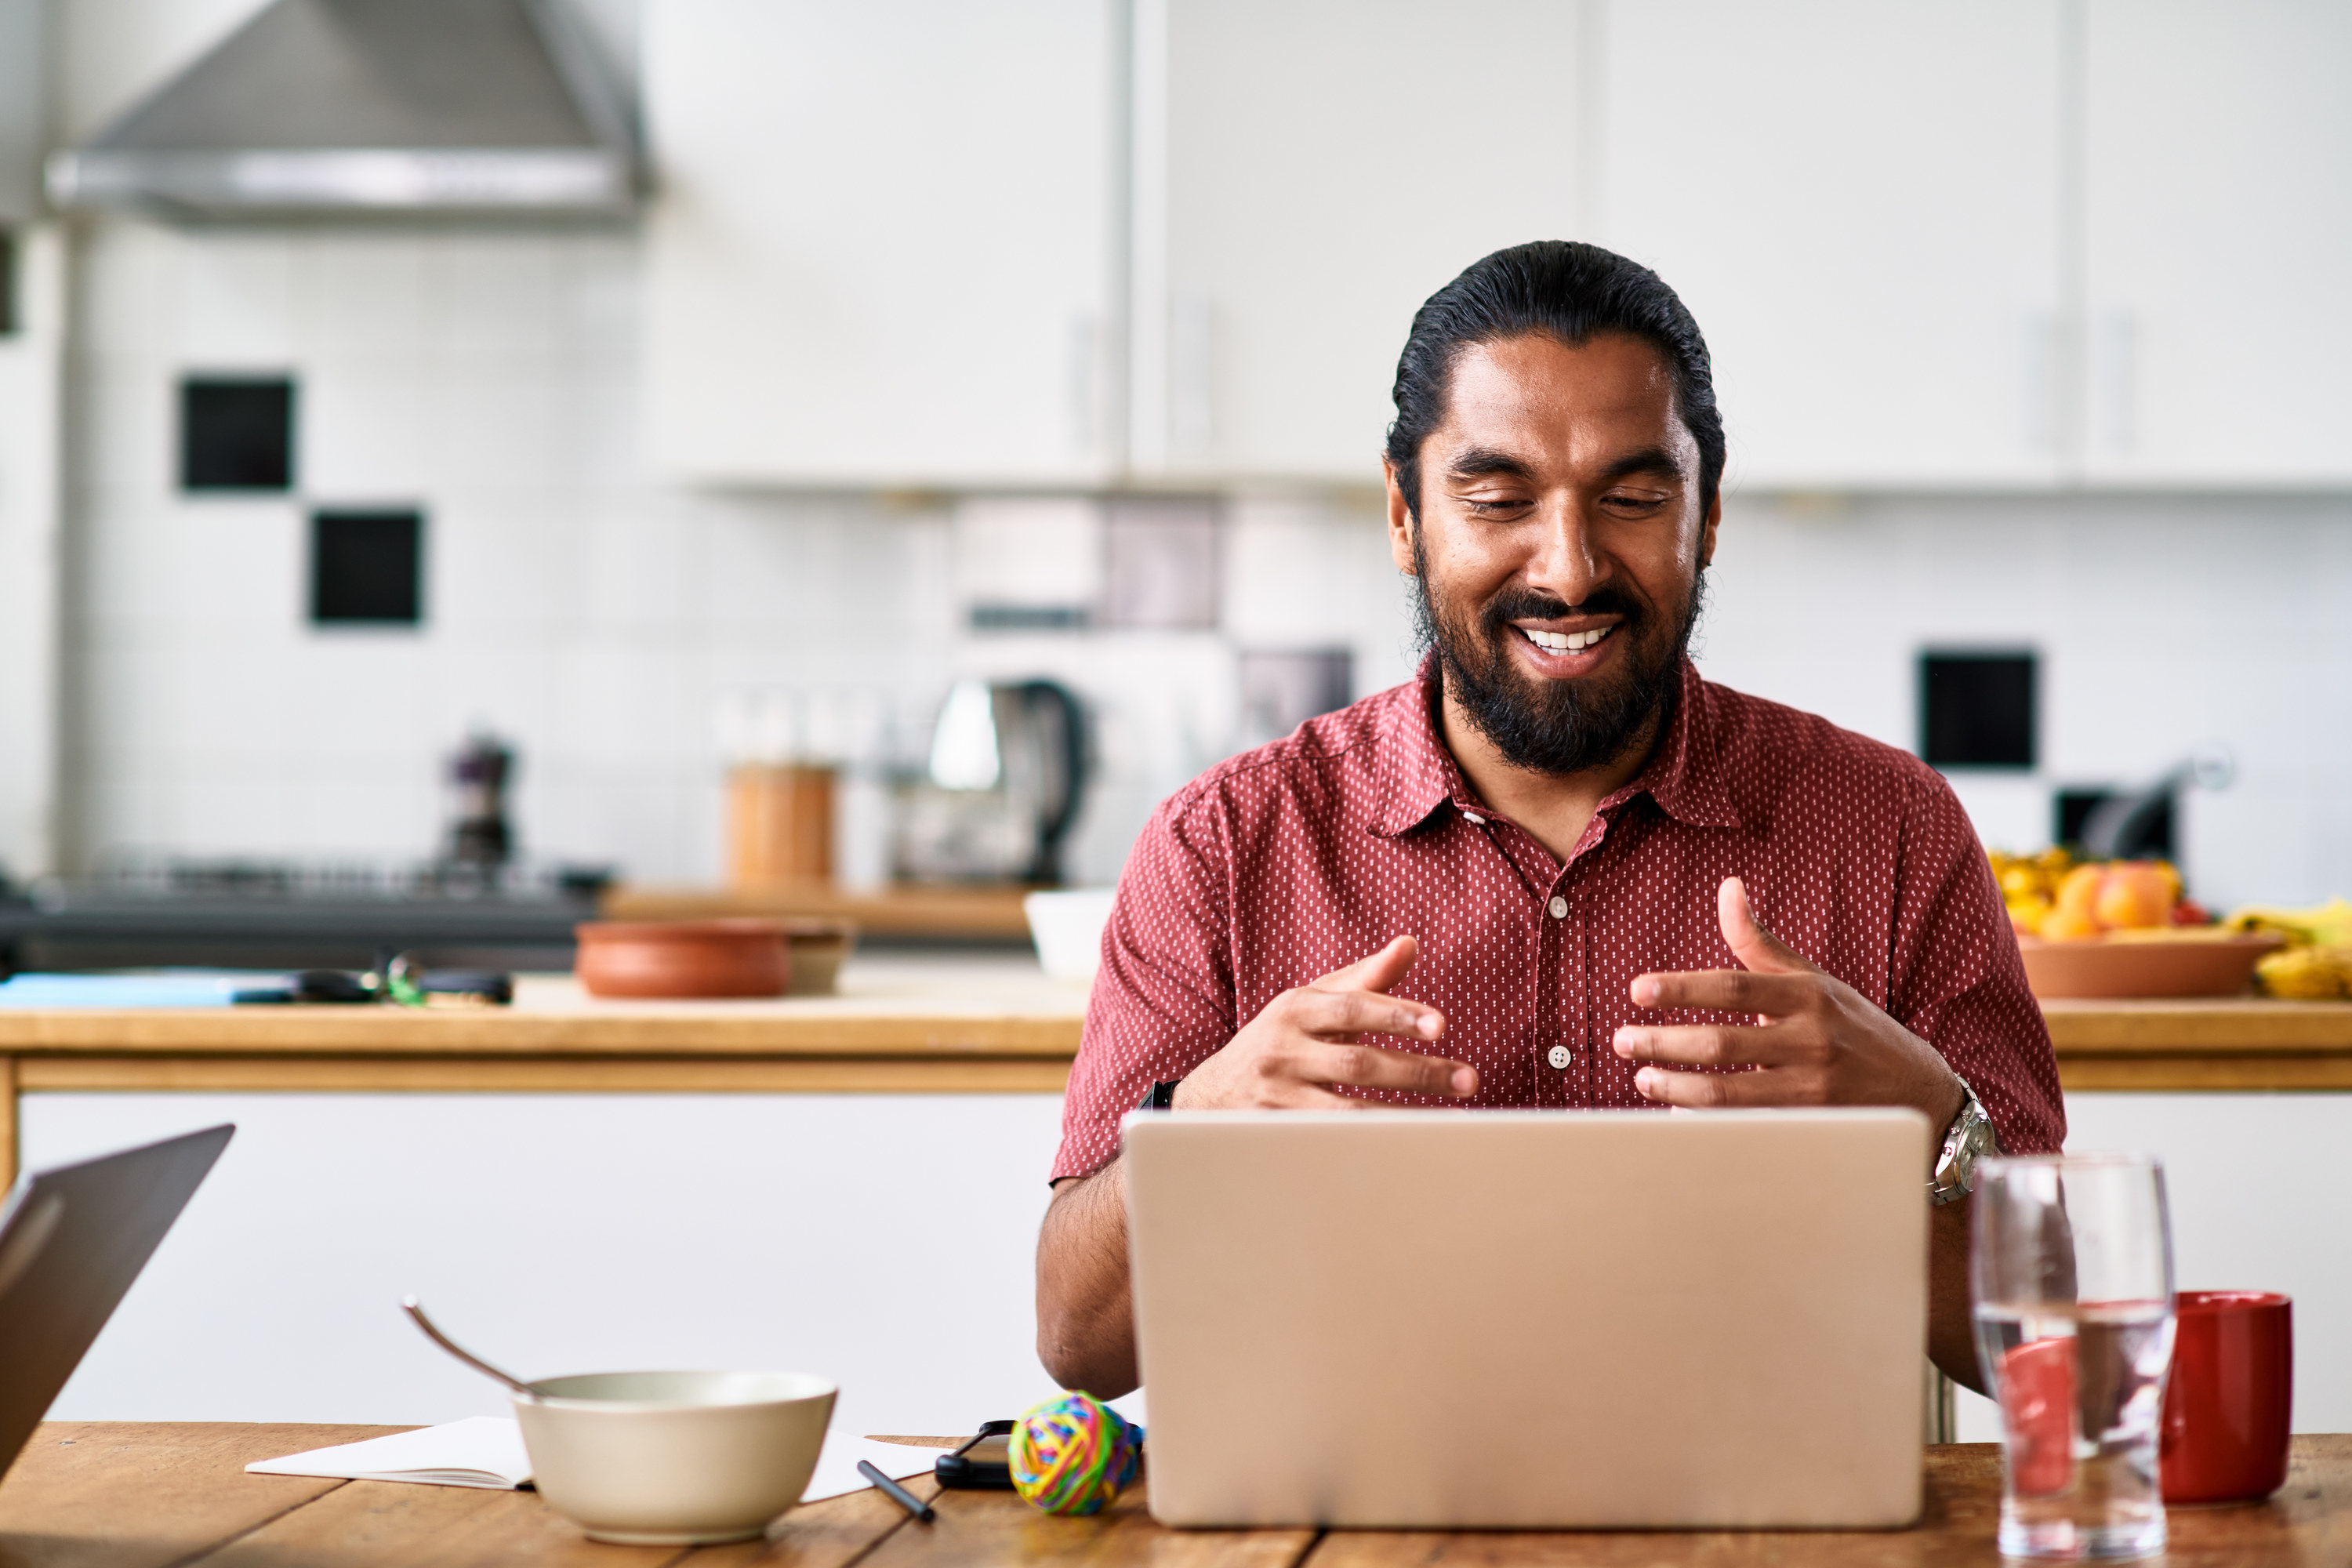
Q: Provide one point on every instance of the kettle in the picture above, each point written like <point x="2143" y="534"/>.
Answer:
<point x="1007" y="773"/>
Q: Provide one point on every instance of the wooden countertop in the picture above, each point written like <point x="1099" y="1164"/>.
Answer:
<point x="976" y="1019"/>
<point x="138" y="1495"/>
<point x="974" y="1024"/>
<point x="2220" y="1043"/>
<point x="889" y="1006"/>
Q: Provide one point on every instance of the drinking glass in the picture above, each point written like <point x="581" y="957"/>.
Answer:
<point x="2072" y="1266"/>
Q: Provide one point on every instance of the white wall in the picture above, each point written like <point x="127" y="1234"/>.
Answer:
<point x="2162" y="622"/>
<point x="31" y="394"/>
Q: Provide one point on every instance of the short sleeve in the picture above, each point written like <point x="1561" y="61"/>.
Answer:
<point x="1163" y="999"/>
<point x="1956" y="979"/>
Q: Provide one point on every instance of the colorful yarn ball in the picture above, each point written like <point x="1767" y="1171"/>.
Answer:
<point x="1073" y="1455"/>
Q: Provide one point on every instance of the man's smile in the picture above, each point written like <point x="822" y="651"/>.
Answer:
<point x="1558" y="652"/>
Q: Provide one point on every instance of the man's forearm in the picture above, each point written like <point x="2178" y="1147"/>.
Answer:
<point x="1085" y="1323"/>
<point x="1951" y="1330"/>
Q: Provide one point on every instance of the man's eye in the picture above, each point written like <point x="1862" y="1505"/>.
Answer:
<point x="1491" y="508"/>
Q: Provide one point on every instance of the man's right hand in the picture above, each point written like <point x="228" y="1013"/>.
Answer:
<point x="1303" y="1045"/>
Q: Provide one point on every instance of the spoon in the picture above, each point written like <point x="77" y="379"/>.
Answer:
<point x="415" y="1309"/>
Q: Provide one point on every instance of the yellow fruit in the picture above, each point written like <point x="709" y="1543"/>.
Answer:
<point x="2063" y="924"/>
<point x="2022" y="880"/>
<point x="2136" y="893"/>
<point x="2307" y="974"/>
<point x="2025" y="915"/>
<point x="2322" y="925"/>
<point x="2078" y="895"/>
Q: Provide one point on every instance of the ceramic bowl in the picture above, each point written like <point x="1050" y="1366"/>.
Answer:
<point x="1068" y="928"/>
<point x="2109" y="967"/>
<point x="673" y="1458"/>
<point x="818" y="948"/>
<point x="683" y="958"/>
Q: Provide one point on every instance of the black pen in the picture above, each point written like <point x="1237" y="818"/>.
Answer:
<point x="897" y="1493"/>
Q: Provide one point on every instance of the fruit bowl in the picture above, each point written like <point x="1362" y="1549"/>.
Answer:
<point x="2150" y="965"/>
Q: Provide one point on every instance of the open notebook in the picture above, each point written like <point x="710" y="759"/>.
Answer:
<point x="487" y="1451"/>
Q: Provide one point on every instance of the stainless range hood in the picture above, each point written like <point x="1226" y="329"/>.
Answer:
<point x="332" y="108"/>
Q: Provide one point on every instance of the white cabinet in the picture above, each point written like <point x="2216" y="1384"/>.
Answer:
<point x="882" y="251"/>
<point x="1859" y="202"/>
<point x="1989" y="244"/>
<point x="1308" y="173"/>
<point x="2218" y="242"/>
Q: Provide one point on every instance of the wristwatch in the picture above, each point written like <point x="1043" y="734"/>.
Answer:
<point x="1967" y="1140"/>
<point x="1161" y="1098"/>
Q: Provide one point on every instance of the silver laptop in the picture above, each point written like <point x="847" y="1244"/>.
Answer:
<point x="1531" y="1320"/>
<point x="71" y="1241"/>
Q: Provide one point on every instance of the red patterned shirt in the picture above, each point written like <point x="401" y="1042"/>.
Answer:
<point x="1292" y="860"/>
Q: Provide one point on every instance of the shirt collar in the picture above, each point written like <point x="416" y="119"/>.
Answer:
<point x="1418" y="775"/>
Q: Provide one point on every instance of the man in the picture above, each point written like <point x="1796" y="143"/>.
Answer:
<point x="1558" y="868"/>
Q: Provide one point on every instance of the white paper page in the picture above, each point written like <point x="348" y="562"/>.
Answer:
<point x="487" y="1451"/>
<point x="482" y="1451"/>
<point x="837" y="1467"/>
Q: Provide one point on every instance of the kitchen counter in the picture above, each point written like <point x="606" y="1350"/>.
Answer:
<point x="902" y="1024"/>
<point x="2193" y="1043"/>
<point x="907" y="1023"/>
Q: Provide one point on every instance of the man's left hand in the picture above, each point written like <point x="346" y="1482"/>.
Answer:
<point x="1815" y="1041"/>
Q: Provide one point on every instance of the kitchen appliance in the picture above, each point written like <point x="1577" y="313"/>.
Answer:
<point x="332" y="108"/>
<point x="1007" y="776"/>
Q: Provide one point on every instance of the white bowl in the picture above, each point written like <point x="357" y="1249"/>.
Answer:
<point x="1068" y="928"/>
<point x="673" y="1458"/>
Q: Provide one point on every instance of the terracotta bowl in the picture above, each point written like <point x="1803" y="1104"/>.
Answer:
<point x="683" y="958"/>
<point x="2103" y="966"/>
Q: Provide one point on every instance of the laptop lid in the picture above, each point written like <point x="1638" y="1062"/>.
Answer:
<point x="71" y="1241"/>
<point x="1531" y="1320"/>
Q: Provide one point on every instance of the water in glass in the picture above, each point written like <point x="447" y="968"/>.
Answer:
<point x="2080" y="1388"/>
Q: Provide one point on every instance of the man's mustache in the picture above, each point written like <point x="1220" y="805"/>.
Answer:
<point x="1527" y="603"/>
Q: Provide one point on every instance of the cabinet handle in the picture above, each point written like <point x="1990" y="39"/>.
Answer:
<point x="2115" y="382"/>
<point x="1191" y="427"/>
<point x="2040" y="406"/>
<point x="1086" y="381"/>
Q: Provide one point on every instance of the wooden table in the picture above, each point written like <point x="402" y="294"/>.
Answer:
<point x="124" y="1495"/>
<point x="928" y="1025"/>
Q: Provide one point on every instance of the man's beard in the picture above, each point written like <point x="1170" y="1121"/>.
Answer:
<point x="1558" y="726"/>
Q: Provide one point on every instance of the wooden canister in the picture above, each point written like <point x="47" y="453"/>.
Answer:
<point x="779" y="826"/>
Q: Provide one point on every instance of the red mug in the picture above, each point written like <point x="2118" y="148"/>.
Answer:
<point x="2228" y="1403"/>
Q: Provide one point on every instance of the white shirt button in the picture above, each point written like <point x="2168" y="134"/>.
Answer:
<point x="1559" y="908"/>
<point x="1559" y="1057"/>
<point x="1472" y="817"/>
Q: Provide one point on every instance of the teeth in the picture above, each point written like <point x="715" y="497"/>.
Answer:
<point x="1566" y="642"/>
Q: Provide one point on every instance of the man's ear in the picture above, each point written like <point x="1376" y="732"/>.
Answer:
<point x="1706" y="533"/>
<point x="1400" y="522"/>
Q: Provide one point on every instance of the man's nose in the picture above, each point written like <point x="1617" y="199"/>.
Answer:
<point x="1567" y="562"/>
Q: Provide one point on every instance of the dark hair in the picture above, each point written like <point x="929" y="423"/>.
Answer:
<point x="1566" y="290"/>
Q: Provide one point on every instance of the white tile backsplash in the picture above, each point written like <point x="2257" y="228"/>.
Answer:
<point x="598" y="617"/>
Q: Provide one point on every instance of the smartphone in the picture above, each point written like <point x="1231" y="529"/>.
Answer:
<point x="980" y="1464"/>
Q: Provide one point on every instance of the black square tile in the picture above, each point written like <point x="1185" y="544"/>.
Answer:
<point x="367" y="568"/>
<point x="237" y="434"/>
<point x="1977" y="710"/>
